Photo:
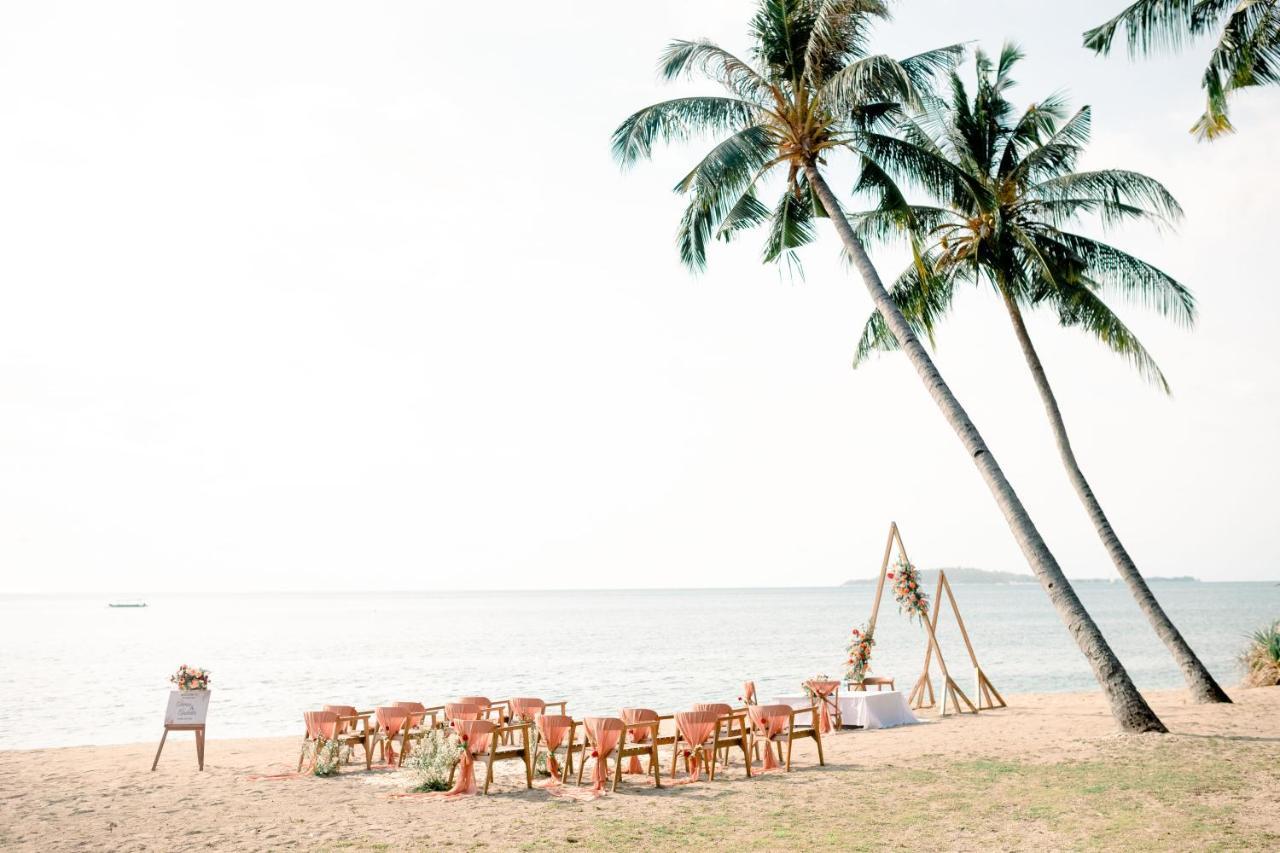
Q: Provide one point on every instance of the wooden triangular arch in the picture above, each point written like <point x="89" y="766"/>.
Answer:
<point x="924" y="686"/>
<point x="988" y="696"/>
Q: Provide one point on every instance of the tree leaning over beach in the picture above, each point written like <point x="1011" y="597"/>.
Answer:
<point x="1247" y="52"/>
<point x="813" y="93"/>
<point x="1013" y="189"/>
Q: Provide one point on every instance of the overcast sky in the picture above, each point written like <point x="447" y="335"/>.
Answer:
<point x="307" y="295"/>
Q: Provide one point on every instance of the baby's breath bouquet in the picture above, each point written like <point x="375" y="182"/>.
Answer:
<point x="434" y="758"/>
<point x="329" y="756"/>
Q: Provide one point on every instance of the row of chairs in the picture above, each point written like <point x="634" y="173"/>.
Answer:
<point x="521" y="728"/>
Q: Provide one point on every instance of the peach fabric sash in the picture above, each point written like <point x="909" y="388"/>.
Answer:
<point x="454" y="711"/>
<point x="391" y="721"/>
<point x="525" y="709"/>
<point x="749" y="692"/>
<point x="410" y="706"/>
<point x="343" y="711"/>
<point x="321" y="725"/>
<point x="553" y="729"/>
<point x="823" y="690"/>
<point x="769" y="720"/>
<point x="696" y="727"/>
<point x="641" y="735"/>
<point x="475" y="735"/>
<point x="603" y="733"/>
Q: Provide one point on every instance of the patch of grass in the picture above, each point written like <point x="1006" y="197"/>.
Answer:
<point x="1166" y="793"/>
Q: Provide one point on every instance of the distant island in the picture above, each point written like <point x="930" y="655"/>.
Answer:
<point x="965" y="574"/>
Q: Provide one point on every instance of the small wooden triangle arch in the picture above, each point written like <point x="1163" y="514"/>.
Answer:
<point x="922" y="695"/>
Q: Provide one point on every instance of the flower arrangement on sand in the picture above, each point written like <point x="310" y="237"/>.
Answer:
<point x="434" y="758"/>
<point x="860" y="645"/>
<point x="190" y="678"/>
<point x="329" y="756"/>
<point x="906" y="590"/>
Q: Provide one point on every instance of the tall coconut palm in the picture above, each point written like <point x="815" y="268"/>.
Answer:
<point x="1014" y="188"/>
<point x="814" y="92"/>
<point x="1247" y="52"/>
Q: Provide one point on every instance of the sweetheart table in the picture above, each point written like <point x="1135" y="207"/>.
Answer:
<point x="882" y="710"/>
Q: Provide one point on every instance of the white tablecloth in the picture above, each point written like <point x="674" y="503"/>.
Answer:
<point x="881" y="710"/>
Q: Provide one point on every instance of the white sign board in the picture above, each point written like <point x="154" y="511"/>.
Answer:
<point x="186" y="708"/>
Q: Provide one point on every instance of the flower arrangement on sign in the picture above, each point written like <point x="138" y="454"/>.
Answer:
<point x="906" y="589"/>
<point x="860" y="644"/>
<point x="190" y="678"/>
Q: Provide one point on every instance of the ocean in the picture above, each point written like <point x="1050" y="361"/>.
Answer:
<point x="75" y="671"/>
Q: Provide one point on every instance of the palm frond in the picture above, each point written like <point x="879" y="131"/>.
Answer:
<point x="685" y="58"/>
<point x="1117" y="187"/>
<point x="791" y="227"/>
<point x="1081" y="308"/>
<point x="679" y="120"/>
<point x="838" y="34"/>
<point x="922" y="296"/>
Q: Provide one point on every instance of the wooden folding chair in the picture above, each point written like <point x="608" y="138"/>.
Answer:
<point x="774" y="725"/>
<point x="395" y="723"/>
<point x="827" y="697"/>
<point x="326" y="727"/>
<point x="497" y="750"/>
<point x="454" y="711"/>
<point x="594" y="729"/>
<point x="879" y="682"/>
<point x="555" y="730"/>
<point x="731" y="731"/>
<point x="425" y="721"/>
<point x="355" y="728"/>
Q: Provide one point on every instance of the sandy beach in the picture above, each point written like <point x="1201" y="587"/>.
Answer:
<point x="1048" y="772"/>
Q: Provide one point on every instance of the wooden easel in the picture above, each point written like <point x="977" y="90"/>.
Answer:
<point x="988" y="696"/>
<point x="185" y="712"/>
<point x="198" y="728"/>
<point x="924" y="686"/>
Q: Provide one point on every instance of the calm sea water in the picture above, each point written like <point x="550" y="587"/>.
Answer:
<point x="77" y="672"/>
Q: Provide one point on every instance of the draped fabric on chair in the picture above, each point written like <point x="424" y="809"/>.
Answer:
<point x="523" y="710"/>
<point x="343" y="711"/>
<point x="768" y="721"/>
<point x="553" y="728"/>
<point x="391" y="721"/>
<point x="410" y="706"/>
<point x="823" y="690"/>
<point x="641" y="735"/>
<point x="475" y="735"/>
<point x="321" y="725"/>
<point x="749" y="692"/>
<point x="696" y="727"/>
<point x="454" y="711"/>
<point x="603" y="733"/>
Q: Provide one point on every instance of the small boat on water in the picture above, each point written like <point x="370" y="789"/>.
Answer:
<point x="126" y="604"/>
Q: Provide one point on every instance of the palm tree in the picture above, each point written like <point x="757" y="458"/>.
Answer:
<point x="1014" y="188"/>
<point x="815" y="92"/>
<point x="1247" y="52"/>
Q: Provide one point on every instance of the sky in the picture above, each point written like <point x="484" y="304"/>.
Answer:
<point x="315" y="296"/>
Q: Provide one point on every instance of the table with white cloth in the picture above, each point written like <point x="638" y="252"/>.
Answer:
<point x="882" y="710"/>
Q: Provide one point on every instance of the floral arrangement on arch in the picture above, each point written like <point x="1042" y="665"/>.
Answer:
<point x="860" y="645"/>
<point x="906" y="589"/>
<point x="190" y="678"/>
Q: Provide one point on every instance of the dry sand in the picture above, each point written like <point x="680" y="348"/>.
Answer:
<point x="106" y="797"/>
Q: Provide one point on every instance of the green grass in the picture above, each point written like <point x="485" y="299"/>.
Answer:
<point x="1145" y="794"/>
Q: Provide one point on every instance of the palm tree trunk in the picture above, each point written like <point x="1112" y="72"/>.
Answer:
<point x="1127" y="705"/>
<point x="1203" y="686"/>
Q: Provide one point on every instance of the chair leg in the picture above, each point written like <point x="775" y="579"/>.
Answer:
<point x="790" y="740"/>
<point x="617" y="770"/>
<point x="528" y="769"/>
<point x="746" y="755"/>
<point x="488" y="775"/>
<point x="653" y="765"/>
<point x="817" y="738"/>
<point x="301" y="755"/>
<point x="582" y="765"/>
